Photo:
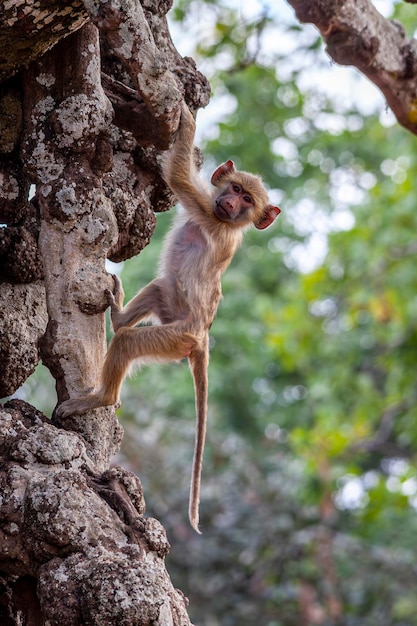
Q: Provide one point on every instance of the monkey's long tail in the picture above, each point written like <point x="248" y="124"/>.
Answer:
<point x="199" y="365"/>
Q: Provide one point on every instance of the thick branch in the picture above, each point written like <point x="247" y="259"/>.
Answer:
<point x="357" y="34"/>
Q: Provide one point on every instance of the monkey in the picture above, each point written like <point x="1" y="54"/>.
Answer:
<point x="184" y="297"/>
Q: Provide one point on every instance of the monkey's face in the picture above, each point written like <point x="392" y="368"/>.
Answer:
<point x="234" y="204"/>
<point x="242" y="199"/>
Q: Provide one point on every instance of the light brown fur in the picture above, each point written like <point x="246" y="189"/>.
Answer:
<point x="185" y="295"/>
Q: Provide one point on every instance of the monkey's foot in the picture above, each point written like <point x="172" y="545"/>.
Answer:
<point x="79" y="406"/>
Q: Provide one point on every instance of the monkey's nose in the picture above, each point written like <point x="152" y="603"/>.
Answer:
<point x="232" y="210"/>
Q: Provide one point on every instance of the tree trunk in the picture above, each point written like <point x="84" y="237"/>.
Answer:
<point x="90" y="96"/>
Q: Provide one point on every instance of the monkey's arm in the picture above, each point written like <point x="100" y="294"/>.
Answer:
<point x="180" y="172"/>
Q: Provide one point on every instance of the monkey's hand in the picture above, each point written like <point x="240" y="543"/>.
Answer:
<point x="186" y="130"/>
<point x="115" y="301"/>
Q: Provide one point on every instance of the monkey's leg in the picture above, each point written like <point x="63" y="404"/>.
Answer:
<point x="153" y="343"/>
<point x="146" y="302"/>
<point x="168" y="342"/>
<point x="198" y="360"/>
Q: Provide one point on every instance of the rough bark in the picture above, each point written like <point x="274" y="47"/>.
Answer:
<point x="23" y="320"/>
<point x="29" y="29"/>
<point x="89" y="98"/>
<point x="75" y="546"/>
<point x="357" y="34"/>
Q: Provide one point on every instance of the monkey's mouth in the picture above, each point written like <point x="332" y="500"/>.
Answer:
<point x="221" y="213"/>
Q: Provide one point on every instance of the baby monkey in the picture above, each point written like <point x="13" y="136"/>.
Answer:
<point x="184" y="297"/>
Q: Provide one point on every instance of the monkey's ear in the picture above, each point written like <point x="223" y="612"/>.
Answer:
<point x="222" y="170"/>
<point x="269" y="215"/>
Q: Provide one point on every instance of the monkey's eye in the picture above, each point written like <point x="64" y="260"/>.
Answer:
<point x="236" y="188"/>
<point x="248" y="199"/>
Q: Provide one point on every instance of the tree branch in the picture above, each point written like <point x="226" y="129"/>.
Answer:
<point x="357" y="34"/>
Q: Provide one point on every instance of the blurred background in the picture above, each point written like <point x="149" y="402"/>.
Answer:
<point x="309" y="496"/>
